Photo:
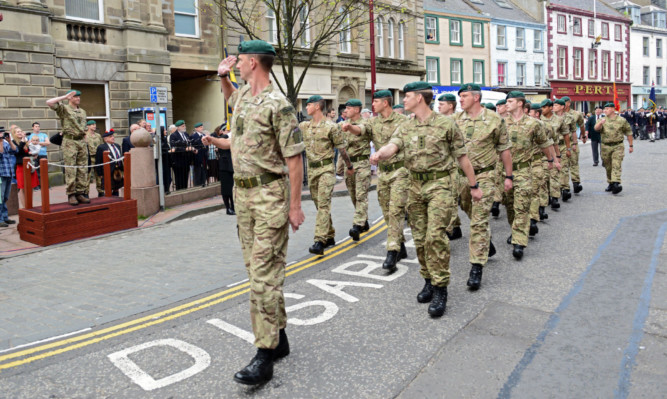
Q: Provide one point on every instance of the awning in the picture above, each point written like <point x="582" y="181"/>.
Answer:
<point x="590" y="91"/>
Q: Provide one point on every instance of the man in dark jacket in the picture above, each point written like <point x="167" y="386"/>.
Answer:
<point x="593" y="134"/>
<point x="114" y="154"/>
<point x="181" y="155"/>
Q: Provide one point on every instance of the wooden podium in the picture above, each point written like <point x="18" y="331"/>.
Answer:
<point x="55" y="223"/>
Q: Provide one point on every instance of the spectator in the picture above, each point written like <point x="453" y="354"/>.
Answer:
<point x="44" y="142"/>
<point x="212" y="161"/>
<point x="7" y="151"/>
<point x="366" y="113"/>
<point x="114" y="154"/>
<point x="166" y="164"/>
<point x="225" y="167"/>
<point x="181" y="156"/>
<point x="200" y="155"/>
<point x="21" y="142"/>
<point x="331" y="114"/>
<point x="127" y="144"/>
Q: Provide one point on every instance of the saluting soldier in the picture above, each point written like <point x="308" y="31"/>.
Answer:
<point x="486" y="139"/>
<point x="321" y="136"/>
<point x="266" y="142"/>
<point x="432" y="144"/>
<point x="358" y="137"/>
<point x="392" y="177"/>
<point x="75" y="152"/>
<point x="612" y="129"/>
<point x="93" y="140"/>
<point x="560" y="130"/>
<point x="540" y="172"/>
<point x="526" y="134"/>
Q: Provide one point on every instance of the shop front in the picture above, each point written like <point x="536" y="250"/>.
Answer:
<point x="586" y="96"/>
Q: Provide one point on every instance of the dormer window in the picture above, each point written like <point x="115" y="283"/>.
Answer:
<point x="658" y="20"/>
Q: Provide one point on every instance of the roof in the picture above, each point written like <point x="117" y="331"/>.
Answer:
<point x="650" y="9"/>
<point x="623" y="4"/>
<point x="457" y="7"/>
<point x="601" y="7"/>
<point x="503" y="9"/>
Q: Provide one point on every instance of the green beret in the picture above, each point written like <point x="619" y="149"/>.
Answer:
<point x="560" y="102"/>
<point x="353" y="102"/>
<point x="76" y="93"/>
<point x="515" y="94"/>
<point x="314" y="99"/>
<point x="546" y="103"/>
<point x="501" y="102"/>
<point x="417" y="86"/>
<point x="179" y="122"/>
<point x="490" y="106"/>
<point x="91" y="122"/>
<point x="382" y="94"/>
<point x="198" y="124"/>
<point x="256" y="47"/>
<point x="447" y="97"/>
<point x="566" y="98"/>
<point x="609" y="105"/>
<point x="398" y="106"/>
<point x="536" y="106"/>
<point x="469" y="87"/>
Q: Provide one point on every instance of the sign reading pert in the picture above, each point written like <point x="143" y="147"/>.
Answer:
<point x="585" y="91"/>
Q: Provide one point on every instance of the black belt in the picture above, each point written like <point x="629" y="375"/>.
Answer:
<point x="614" y="143"/>
<point x="392" y="167"/>
<point x="520" y="165"/>
<point x="250" y="182"/>
<point x="317" y="164"/>
<point x="359" y="158"/>
<point x="427" y="176"/>
<point x="479" y="171"/>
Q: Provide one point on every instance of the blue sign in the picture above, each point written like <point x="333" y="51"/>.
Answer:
<point x="153" y="91"/>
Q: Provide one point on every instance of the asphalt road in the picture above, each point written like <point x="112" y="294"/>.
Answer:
<point x="584" y="314"/>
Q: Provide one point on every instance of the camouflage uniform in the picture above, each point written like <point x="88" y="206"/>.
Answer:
<point x="559" y="129"/>
<point x="265" y="132"/>
<point x="393" y="180"/>
<point x="485" y="137"/>
<point x="320" y="140"/>
<point x="539" y="167"/>
<point x="93" y="141"/>
<point x="578" y="119"/>
<point x="430" y="150"/>
<point x="75" y="153"/>
<point x="613" y="150"/>
<point x="570" y="125"/>
<point x="525" y="133"/>
<point x="359" y="151"/>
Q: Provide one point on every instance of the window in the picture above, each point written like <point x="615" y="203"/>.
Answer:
<point x="455" y="70"/>
<point x="592" y="64"/>
<point x="618" y="33"/>
<point x="647" y="76"/>
<point x="591" y="28"/>
<point x="97" y="102"/>
<point x="433" y="69"/>
<point x="520" y="39"/>
<point x="618" y="66"/>
<point x="272" y="26"/>
<point x="478" y="72"/>
<point x="658" y="76"/>
<point x="344" y="35"/>
<point x="539" y="74"/>
<point x="432" y="30"/>
<point x="305" y="26"/>
<point x="606" y="63"/>
<point x="390" y="38"/>
<point x="562" y="27"/>
<point x="645" y="46"/>
<point x="578" y="63"/>
<point x="477" y="35"/>
<point x="401" y="40"/>
<point x="562" y="62"/>
<point x="89" y="10"/>
<point x="658" y="20"/>
<point x="379" y="34"/>
<point x="576" y="26"/>
<point x="636" y="15"/>
<point x="537" y="40"/>
<point x="520" y="74"/>
<point x="186" y="19"/>
<point x="501" y="33"/>
<point x="502" y="73"/>
<point x="605" y="30"/>
<point x="455" y="32"/>
<point x="658" y="48"/>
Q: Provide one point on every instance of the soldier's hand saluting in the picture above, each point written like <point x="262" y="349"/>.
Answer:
<point x="226" y="65"/>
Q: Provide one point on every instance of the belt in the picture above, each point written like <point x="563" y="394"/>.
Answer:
<point x="250" y="182"/>
<point x="359" y="158"/>
<point x="427" y="176"/>
<point x="479" y="171"/>
<point x="317" y="164"/>
<point x="391" y="167"/>
<point x="520" y="165"/>
<point x="614" y="143"/>
<point x="71" y="137"/>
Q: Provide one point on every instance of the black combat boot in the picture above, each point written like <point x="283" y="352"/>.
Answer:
<point x="475" y="279"/>
<point x="577" y="187"/>
<point x="554" y="203"/>
<point x="617" y="188"/>
<point x="426" y="293"/>
<point x="259" y="371"/>
<point x="403" y="253"/>
<point x="509" y="240"/>
<point x="282" y="349"/>
<point x="495" y="209"/>
<point x="533" y="228"/>
<point x="317" y="248"/>
<point x="609" y="187"/>
<point x="439" y="302"/>
<point x="330" y="242"/>
<point x="390" y="263"/>
<point x="543" y="214"/>
<point x="365" y="227"/>
<point x="354" y="232"/>
<point x="492" y="249"/>
<point x="565" y="195"/>
<point x="518" y="251"/>
<point x="456" y="234"/>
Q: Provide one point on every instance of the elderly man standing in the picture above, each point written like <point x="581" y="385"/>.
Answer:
<point x="75" y="154"/>
<point x="93" y="140"/>
<point x="181" y="155"/>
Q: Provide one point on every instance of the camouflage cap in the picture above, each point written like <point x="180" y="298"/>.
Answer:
<point x="314" y="99"/>
<point x="91" y="122"/>
<point x="417" y="86"/>
<point x="447" y="97"/>
<point x="515" y="94"/>
<point x="566" y="98"/>
<point x="501" y="102"/>
<point x="256" y="47"/>
<point x="398" y="106"/>
<point x="560" y="102"/>
<point x="353" y="102"/>
<point x="198" y="124"/>
<point x="382" y="94"/>
<point x="536" y="106"/>
<point x="490" y="106"/>
<point x="469" y="87"/>
<point x="179" y="122"/>
<point x="609" y="105"/>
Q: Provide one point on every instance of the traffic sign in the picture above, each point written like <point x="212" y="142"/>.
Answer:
<point x="158" y="95"/>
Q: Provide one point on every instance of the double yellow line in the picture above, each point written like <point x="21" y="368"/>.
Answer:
<point x="65" y="345"/>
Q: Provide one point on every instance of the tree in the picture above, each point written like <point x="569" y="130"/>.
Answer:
<point x="301" y="30"/>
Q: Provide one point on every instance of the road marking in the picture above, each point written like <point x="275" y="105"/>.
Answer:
<point x="237" y="283"/>
<point x="232" y="329"/>
<point x="46" y="340"/>
<point x="172" y="313"/>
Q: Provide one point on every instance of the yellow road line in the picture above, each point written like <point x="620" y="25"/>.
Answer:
<point x="177" y="311"/>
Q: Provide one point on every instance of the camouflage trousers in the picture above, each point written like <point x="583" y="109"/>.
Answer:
<point x="321" y="182"/>
<point x="554" y="181"/>
<point x="430" y="207"/>
<point x="517" y="203"/>
<point x="574" y="164"/>
<point x="479" y="213"/>
<point x="392" y="190"/>
<point x="500" y="181"/>
<point x="460" y="181"/>
<point x="565" y="163"/>
<point x="612" y="157"/>
<point x="262" y="217"/>
<point x="75" y="152"/>
<point x="540" y="171"/>
<point x="358" y="186"/>
<point x="94" y="178"/>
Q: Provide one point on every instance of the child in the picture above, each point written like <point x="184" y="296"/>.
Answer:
<point x="34" y="148"/>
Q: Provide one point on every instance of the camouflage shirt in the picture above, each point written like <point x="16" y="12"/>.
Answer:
<point x="73" y="121"/>
<point x="433" y="145"/>
<point x="526" y="134"/>
<point x="558" y="127"/>
<point x="321" y="138"/>
<point x="361" y="144"/>
<point x="485" y="136"/>
<point x="381" y="130"/>
<point x="548" y="132"/>
<point x="264" y="132"/>
<point x="93" y="141"/>
<point x="613" y="130"/>
<point x="577" y="117"/>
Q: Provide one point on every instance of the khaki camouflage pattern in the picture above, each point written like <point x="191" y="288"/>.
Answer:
<point x="392" y="185"/>
<point x="320" y="139"/>
<point x="526" y="134"/>
<point x="93" y="141"/>
<point x="500" y="181"/>
<point x="358" y="185"/>
<point x="73" y="121"/>
<point x="613" y="131"/>
<point x="570" y="124"/>
<point x="578" y="119"/>
<point x="262" y="217"/>
<point x="540" y="196"/>
<point x="478" y="213"/>
<point x="361" y="144"/>
<point x="517" y="204"/>
<point x="485" y="137"/>
<point x="560" y="127"/>
<point x="75" y="152"/>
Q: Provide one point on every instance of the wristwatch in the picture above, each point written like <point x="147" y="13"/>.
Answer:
<point x="510" y="177"/>
<point x="475" y="186"/>
<point x="550" y="160"/>
<point x="223" y="75"/>
<point x="350" y="167"/>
